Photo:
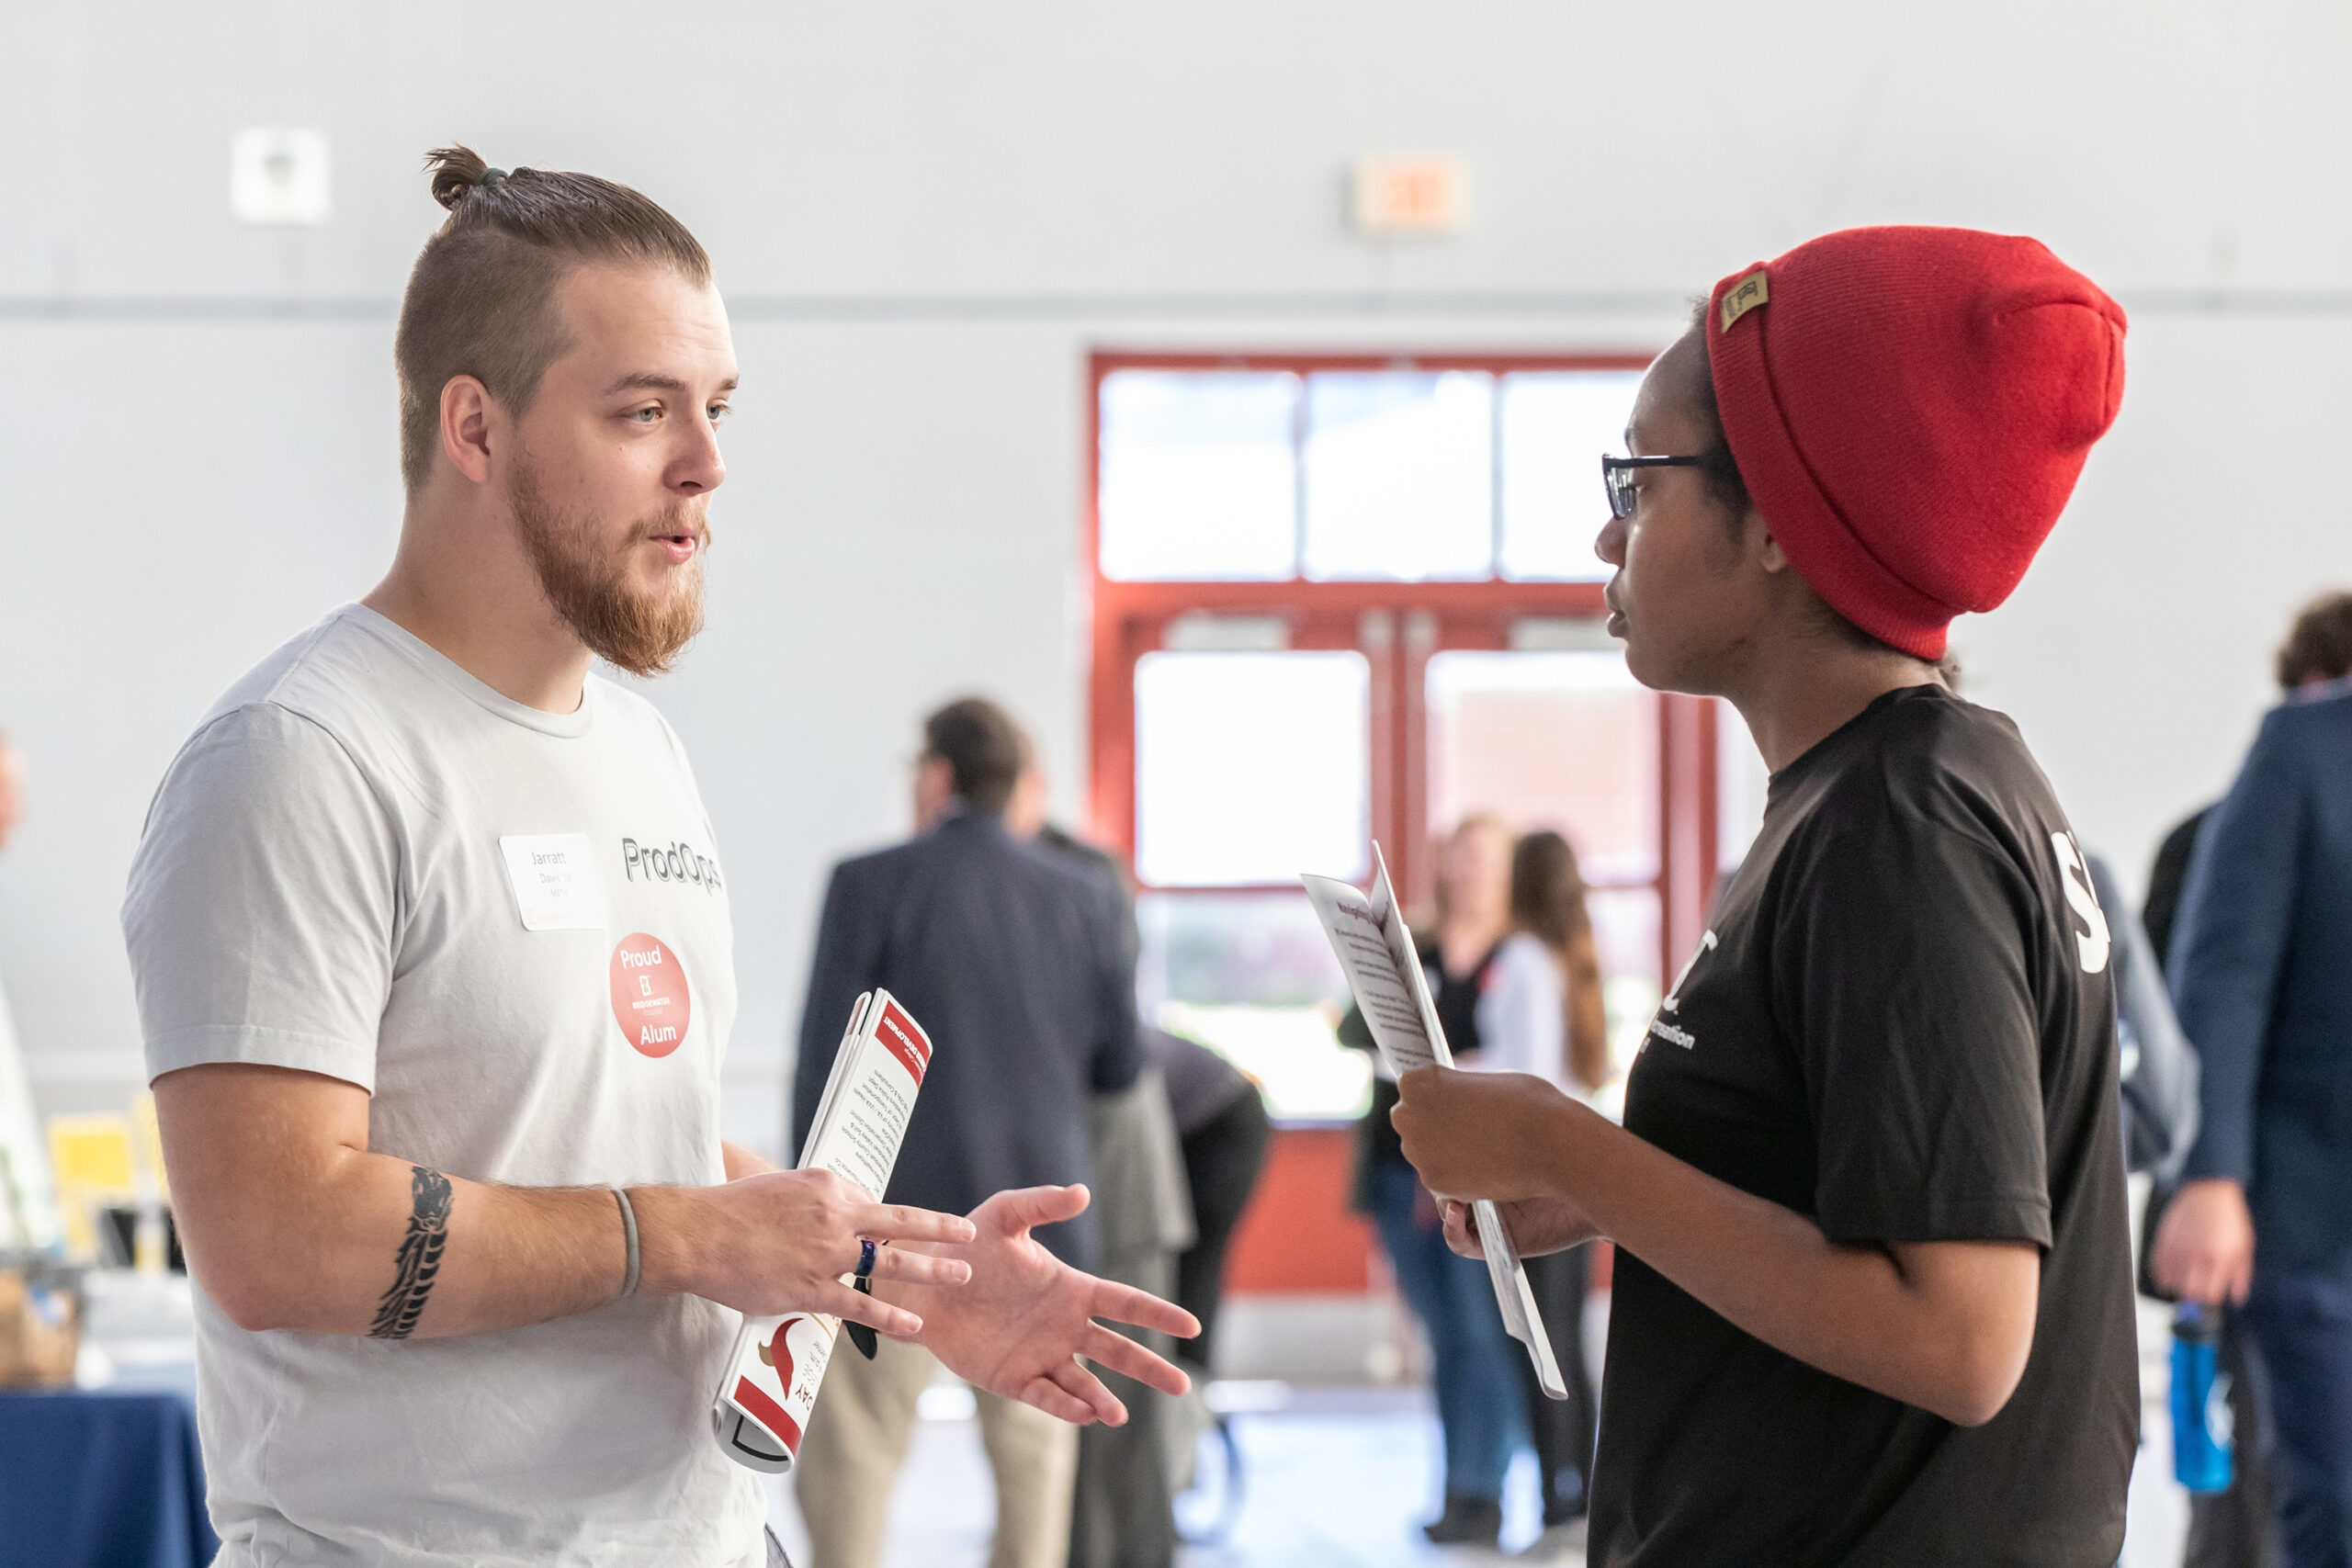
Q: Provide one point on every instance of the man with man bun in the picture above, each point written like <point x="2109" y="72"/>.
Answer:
<point x="436" y="1057"/>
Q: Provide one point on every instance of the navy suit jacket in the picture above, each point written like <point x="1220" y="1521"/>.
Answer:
<point x="2261" y="975"/>
<point x="1014" y="963"/>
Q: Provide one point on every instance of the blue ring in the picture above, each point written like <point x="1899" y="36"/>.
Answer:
<point x="865" y="1257"/>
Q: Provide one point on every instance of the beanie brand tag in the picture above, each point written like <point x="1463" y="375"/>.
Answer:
<point x="1745" y="296"/>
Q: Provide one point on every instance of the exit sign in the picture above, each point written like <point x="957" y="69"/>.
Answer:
<point x="1425" y="195"/>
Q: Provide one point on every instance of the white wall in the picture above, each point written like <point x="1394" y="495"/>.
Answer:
<point x="925" y="216"/>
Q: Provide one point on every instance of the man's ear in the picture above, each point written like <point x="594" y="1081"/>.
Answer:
<point x="1769" y="553"/>
<point x="466" y="411"/>
<point x="935" y="790"/>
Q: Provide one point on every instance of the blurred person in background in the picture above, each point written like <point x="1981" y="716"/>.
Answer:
<point x="1223" y="1129"/>
<point x="2239" y="1527"/>
<point x="1479" y="1407"/>
<point x="1220" y="1116"/>
<point x="463" y="1229"/>
<point x="2261" y="972"/>
<point x="1122" y="1513"/>
<point x="1121" y="1508"/>
<point x="1014" y="960"/>
<point x="1195" y="1118"/>
<point x="1872" y="1296"/>
<point x="1541" y="1013"/>
<point x="2318" y="650"/>
<point x="2158" y="1065"/>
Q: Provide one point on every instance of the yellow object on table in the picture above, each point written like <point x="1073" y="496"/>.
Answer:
<point x="90" y="1160"/>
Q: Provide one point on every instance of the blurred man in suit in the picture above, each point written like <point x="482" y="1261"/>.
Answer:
<point x="1014" y="960"/>
<point x="2237" y="1528"/>
<point x="2262" y="972"/>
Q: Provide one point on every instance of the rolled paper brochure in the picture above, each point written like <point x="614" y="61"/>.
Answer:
<point x="769" y="1385"/>
<point x="760" y="1417"/>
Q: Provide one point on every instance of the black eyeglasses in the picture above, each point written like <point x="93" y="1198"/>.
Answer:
<point x="1617" y="478"/>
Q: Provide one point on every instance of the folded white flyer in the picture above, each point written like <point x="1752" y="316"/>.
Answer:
<point x="772" y="1375"/>
<point x="1376" y="953"/>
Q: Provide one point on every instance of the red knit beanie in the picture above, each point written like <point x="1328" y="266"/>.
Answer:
<point x="1909" y="407"/>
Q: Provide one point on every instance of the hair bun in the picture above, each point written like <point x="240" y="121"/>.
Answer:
<point x="455" y="170"/>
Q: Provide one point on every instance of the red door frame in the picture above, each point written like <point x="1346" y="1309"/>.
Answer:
<point x="1396" y="626"/>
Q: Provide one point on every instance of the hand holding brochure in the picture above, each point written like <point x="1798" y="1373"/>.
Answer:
<point x="1377" y="953"/>
<point x="772" y="1375"/>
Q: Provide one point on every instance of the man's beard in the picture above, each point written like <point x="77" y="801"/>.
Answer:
<point x="588" y="583"/>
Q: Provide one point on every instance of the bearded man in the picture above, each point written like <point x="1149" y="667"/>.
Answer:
<point x="436" y="975"/>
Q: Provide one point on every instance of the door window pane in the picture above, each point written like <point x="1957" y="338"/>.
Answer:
<point x="1555" y="425"/>
<point x="1624" y="933"/>
<point x="1251" y="975"/>
<point x="1251" y="768"/>
<point x="1199" y="478"/>
<point x="1399" y="475"/>
<point x="1566" y="740"/>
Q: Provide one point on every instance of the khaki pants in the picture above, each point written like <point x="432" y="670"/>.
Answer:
<point x="857" y="1440"/>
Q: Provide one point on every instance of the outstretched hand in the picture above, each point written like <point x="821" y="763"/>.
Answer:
<point x="1020" y="1324"/>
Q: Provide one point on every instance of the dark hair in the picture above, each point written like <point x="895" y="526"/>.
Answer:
<point x="481" y="298"/>
<point x="983" y="748"/>
<point x="2319" y="648"/>
<point x="1547" y="902"/>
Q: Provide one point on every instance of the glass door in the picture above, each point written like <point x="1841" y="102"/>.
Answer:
<point x="1251" y="766"/>
<point x="1340" y="599"/>
<point x="1564" y="740"/>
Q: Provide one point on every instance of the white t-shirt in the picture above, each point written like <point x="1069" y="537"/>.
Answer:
<point x="336" y="875"/>
<point x="1522" y="1014"/>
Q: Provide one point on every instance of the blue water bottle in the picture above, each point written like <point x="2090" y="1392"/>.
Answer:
<point x="2200" y="1401"/>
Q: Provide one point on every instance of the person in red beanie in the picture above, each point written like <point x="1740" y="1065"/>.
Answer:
<point x="1874" y="1297"/>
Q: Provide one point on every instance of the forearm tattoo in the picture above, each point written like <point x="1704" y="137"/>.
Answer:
<point x="420" y="1260"/>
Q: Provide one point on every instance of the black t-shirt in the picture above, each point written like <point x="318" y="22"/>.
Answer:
<point x="1901" y="1024"/>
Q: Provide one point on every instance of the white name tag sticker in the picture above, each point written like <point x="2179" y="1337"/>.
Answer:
<point x="555" y="880"/>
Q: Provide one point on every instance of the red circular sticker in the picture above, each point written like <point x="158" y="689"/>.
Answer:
<point x="650" y="999"/>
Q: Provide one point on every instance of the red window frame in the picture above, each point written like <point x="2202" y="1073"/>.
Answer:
<point x="1396" y="626"/>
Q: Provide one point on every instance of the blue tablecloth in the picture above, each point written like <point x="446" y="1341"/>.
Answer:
<point x="104" y="1479"/>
